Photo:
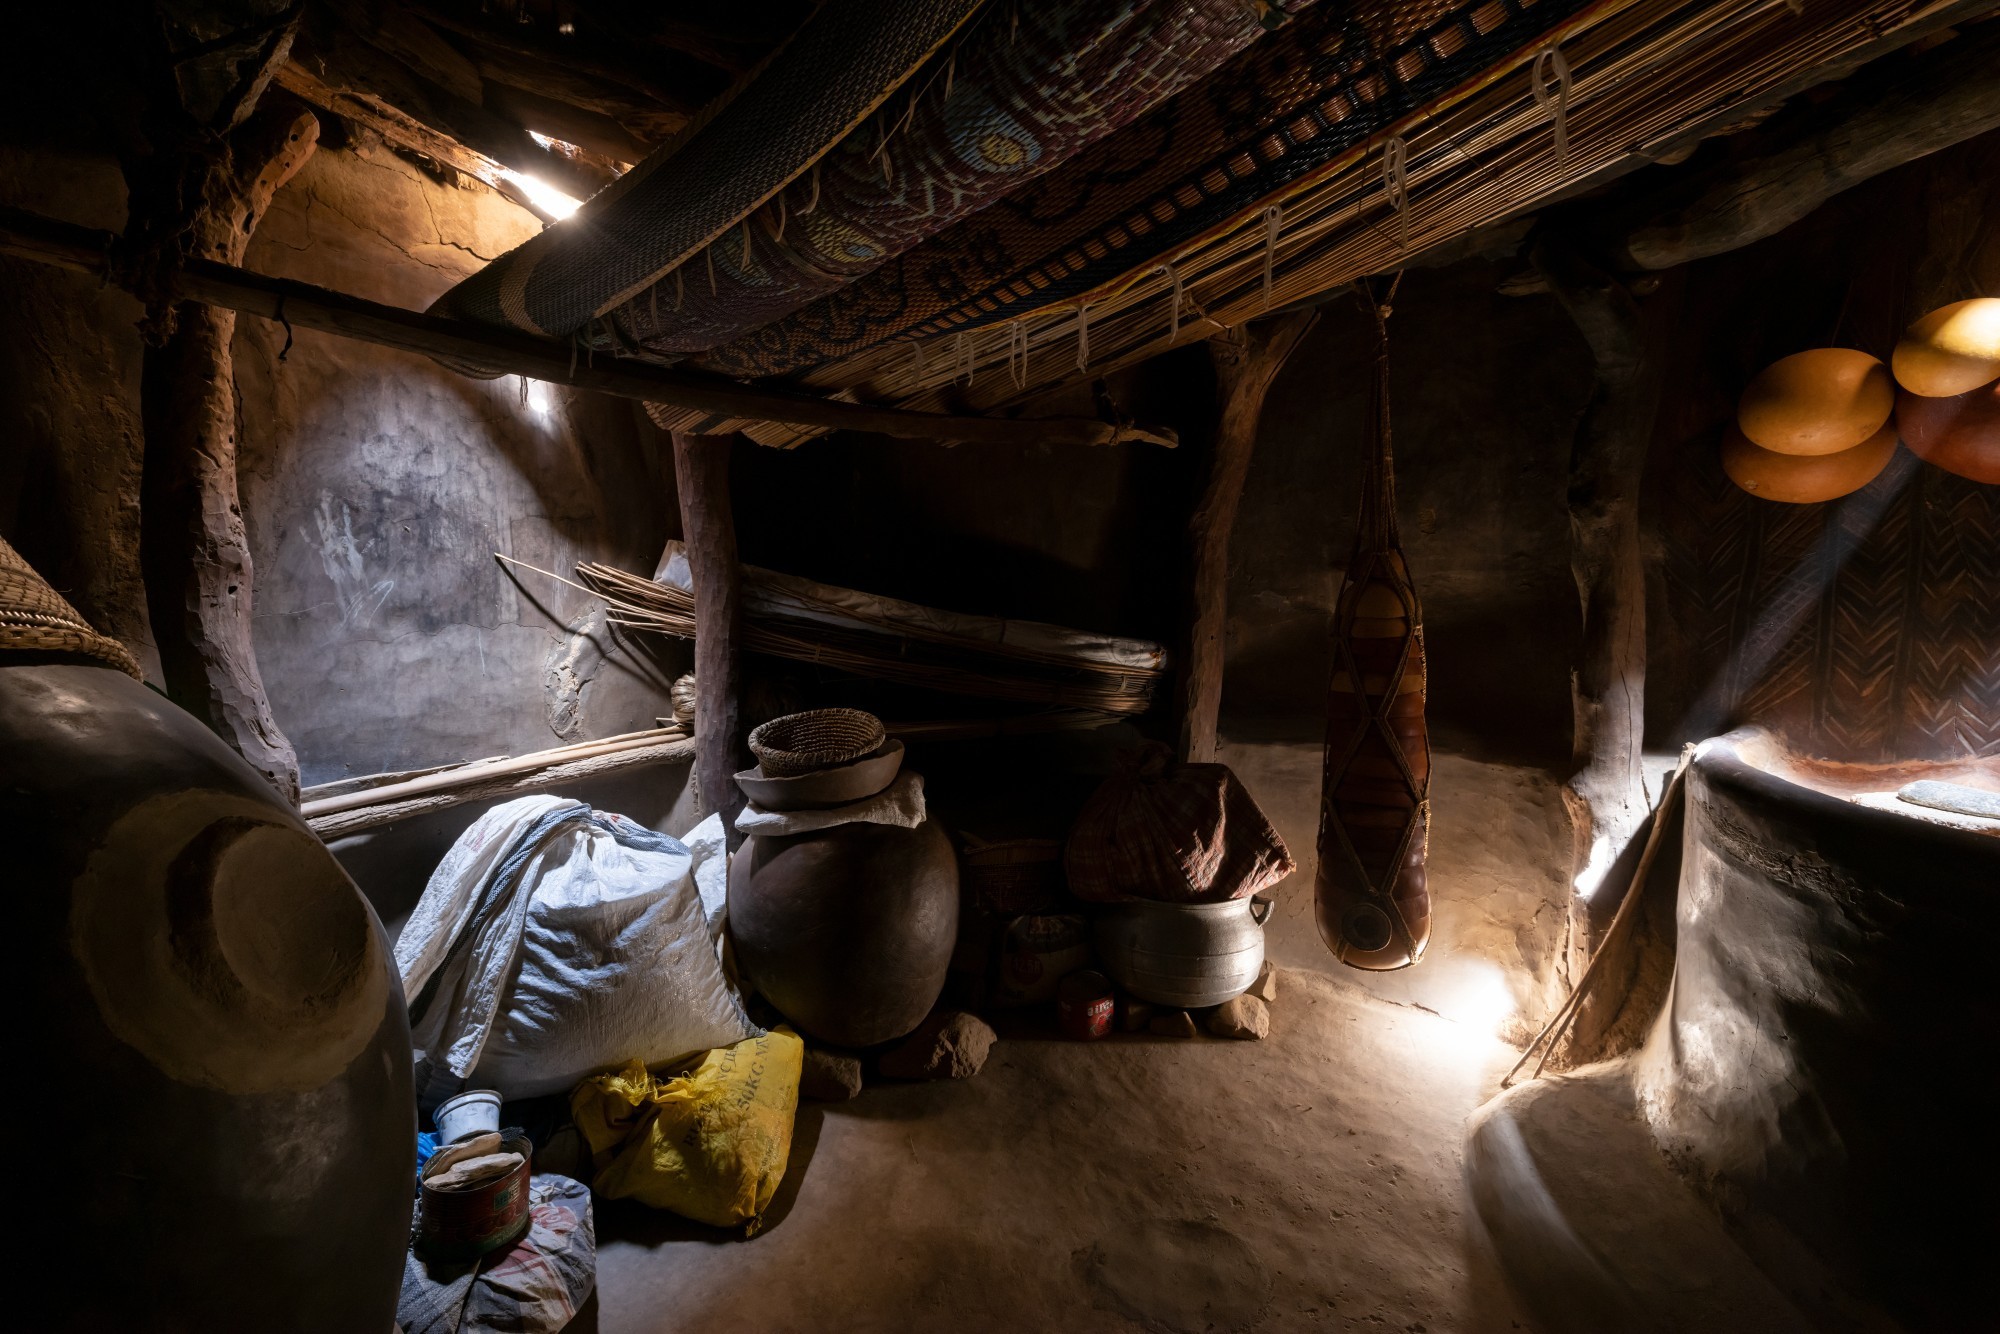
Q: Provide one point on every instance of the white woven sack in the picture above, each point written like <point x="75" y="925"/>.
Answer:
<point x="597" y="953"/>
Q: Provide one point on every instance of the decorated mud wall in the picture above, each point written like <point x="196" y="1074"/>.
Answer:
<point x="1864" y="629"/>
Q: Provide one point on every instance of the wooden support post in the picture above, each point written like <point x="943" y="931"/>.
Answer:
<point x="193" y="548"/>
<point x="1606" y="791"/>
<point x="1247" y="361"/>
<point x="708" y="528"/>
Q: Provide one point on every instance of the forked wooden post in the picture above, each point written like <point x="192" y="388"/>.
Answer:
<point x="1247" y="361"/>
<point x="193" y="547"/>
<point x="708" y="528"/>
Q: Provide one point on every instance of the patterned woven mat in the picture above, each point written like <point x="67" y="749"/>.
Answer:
<point x="1023" y="90"/>
<point x="1296" y="100"/>
<point x="844" y="63"/>
<point x="36" y="618"/>
<point x="1648" y="77"/>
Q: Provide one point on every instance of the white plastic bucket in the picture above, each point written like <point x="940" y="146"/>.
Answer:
<point x="468" y="1114"/>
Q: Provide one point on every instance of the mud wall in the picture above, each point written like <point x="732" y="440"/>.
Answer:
<point x="377" y="486"/>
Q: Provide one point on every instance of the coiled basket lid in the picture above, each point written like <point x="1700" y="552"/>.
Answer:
<point x="36" y="618"/>
<point x="802" y="743"/>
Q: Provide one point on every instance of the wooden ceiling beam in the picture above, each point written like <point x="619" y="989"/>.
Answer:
<point x="588" y="130"/>
<point x="510" y="54"/>
<point x="402" y="131"/>
<point x="498" y="352"/>
<point x="1918" y="106"/>
<point x="337" y="66"/>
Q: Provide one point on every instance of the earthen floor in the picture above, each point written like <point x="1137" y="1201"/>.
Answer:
<point x="1312" y="1181"/>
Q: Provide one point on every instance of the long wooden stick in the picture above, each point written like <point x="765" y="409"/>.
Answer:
<point x="445" y="780"/>
<point x="84" y="250"/>
<point x="528" y="774"/>
<point x="1635" y="891"/>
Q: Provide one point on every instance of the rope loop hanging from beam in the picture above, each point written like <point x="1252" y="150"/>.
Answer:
<point x="1396" y="181"/>
<point x="1549" y="81"/>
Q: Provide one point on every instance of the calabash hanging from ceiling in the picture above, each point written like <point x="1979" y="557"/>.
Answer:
<point x="1370" y="898"/>
<point x="1960" y="434"/>
<point x="1821" y="401"/>
<point x="1805" y="479"/>
<point x="1952" y="350"/>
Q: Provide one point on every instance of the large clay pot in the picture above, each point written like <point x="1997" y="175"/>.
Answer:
<point x="1183" y="954"/>
<point x="218" y="1064"/>
<point x="849" y="930"/>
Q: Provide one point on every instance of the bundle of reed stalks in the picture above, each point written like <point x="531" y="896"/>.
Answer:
<point x="901" y="653"/>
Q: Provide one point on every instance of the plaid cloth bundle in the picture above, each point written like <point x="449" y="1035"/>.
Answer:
<point x="1176" y="833"/>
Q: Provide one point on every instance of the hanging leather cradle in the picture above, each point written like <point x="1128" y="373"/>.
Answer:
<point x="1372" y="905"/>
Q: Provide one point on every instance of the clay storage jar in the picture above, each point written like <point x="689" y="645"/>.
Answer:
<point x="217" y="1039"/>
<point x="847" y="930"/>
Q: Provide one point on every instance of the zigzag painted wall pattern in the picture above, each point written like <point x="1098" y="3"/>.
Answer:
<point x="1867" y="629"/>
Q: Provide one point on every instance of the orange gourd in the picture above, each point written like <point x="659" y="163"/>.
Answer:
<point x="1805" y="479"/>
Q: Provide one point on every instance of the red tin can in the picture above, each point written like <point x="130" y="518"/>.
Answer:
<point x="466" y="1224"/>
<point x="1084" y="1005"/>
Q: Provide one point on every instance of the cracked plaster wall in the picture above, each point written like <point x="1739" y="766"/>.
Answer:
<point x="379" y="486"/>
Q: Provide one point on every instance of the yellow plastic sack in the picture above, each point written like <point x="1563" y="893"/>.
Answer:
<point x="710" y="1144"/>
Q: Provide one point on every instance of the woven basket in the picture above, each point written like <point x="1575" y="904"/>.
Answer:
<point x="36" y="618"/>
<point x="802" y="743"/>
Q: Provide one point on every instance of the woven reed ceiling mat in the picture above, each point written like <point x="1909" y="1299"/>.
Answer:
<point x="1020" y="91"/>
<point x="803" y="182"/>
<point x="1627" y="77"/>
<point x="840" y="67"/>
<point x="1301" y="97"/>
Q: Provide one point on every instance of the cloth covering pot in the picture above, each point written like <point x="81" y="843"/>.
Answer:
<point x="535" y="1286"/>
<point x="1174" y="833"/>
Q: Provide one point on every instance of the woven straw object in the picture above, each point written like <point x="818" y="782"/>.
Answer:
<point x="802" y="743"/>
<point x="35" y="618"/>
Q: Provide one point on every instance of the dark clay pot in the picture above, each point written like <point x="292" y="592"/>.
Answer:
<point x="217" y="1073"/>
<point x="847" y="931"/>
